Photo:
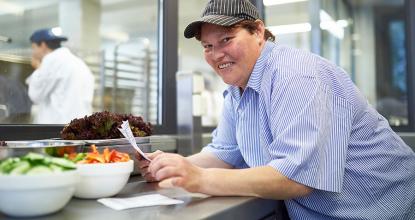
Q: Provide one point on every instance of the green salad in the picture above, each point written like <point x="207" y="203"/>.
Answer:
<point x="34" y="163"/>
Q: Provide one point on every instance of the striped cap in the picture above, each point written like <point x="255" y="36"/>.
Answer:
<point x="223" y="13"/>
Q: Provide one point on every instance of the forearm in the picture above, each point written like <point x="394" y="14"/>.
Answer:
<point x="207" y="160"/>
<point x="264" y="182"/>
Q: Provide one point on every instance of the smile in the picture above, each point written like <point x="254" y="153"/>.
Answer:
<point x="225" y="65"/>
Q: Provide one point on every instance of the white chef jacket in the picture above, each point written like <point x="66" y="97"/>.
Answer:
<point x="62" y="88"/>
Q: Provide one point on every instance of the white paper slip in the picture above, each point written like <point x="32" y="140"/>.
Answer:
<point x="126" y="131"/>
<point x="138" y="201"/>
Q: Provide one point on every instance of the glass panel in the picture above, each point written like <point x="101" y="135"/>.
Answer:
<point x="366" y="38"/>
<point x="380" y="55"/>
<point x="289" y="22"/>
<point x="120" y="51"/>
<point x="335" y="24"/>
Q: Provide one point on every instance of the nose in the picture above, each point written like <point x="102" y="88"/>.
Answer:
<point x="217" y="53"/>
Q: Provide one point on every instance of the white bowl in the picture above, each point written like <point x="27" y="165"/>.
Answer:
<point x="101" y="180"/>
<point x="35" y="195"/>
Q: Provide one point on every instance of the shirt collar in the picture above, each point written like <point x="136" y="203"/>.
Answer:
<point x="255" y="78"/>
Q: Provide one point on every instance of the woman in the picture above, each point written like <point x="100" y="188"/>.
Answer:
<point x="294" y="127"/>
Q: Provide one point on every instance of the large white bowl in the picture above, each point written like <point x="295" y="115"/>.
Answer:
<point x="102" y="179"/>
<point x="35" y="195"/>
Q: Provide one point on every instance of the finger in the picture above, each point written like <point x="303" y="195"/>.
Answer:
<point x="166" y="173"/>
<point x="154" y="154"/>
<point x="138" y="156"/>
<point x="171" y="182"/>
<point x="167" y="183"/>
<point x="149" y="178"/>
<point x="143" y="164"/>
<point x="144" y="171"/>
<point x="163" y="156"/>
<point x="158" y="164"/>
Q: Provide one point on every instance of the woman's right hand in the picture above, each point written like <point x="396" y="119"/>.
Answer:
<point x="143" y="165"/>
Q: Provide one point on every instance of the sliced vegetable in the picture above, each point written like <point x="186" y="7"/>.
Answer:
<point x="39" y="169"/>
<point x="20" y="168"/>
<point x="63" y="163"/>
<point x="95" y="156"/>
<point x="34" y="163"/>
<point x="34" y="156"/>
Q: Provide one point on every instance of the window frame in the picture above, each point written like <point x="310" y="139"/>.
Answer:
<point x="410" y="50"/>
<point x="167" y="68"/>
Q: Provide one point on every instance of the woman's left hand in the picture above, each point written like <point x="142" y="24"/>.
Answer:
<point x="174" y="170"/>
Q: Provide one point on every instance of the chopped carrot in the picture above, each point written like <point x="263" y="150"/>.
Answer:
<point x="107" y="156"/>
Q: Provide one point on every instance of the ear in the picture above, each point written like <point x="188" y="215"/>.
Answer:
<point x="260" y="31"/>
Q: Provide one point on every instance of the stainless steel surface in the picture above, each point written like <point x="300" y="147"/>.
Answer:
<point x="195" y="206"/>
<point x="59" y="147"/>
<point x="117" y="141"/>
<point x="408" y="138"/>
<point x="47" y="147"/>
<point x="189" y="127"/>
<point x="43" y="143"/>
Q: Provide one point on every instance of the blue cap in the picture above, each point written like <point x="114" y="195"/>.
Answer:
<point x="46" y="35"/>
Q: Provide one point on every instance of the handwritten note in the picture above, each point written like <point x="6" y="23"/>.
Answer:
<point x="126" y="131"/>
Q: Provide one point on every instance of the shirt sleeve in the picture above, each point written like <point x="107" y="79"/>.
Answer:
<point x="224" y="145"/>
<point x="42" y="82"/>
<point x="310" y="128"/>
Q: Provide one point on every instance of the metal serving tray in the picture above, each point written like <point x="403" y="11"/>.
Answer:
<point x="43" y="143"/>
<point x="48" y="147"/>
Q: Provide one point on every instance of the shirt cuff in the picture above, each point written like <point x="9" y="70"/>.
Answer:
<point x="306" y="175"/>
<point x="230" y="156"/>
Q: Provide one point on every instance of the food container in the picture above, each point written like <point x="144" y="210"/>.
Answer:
<point x="35" y="195"/>
<point x="47" y="147"/>
<point x="101" y="180"/>
<point x="57" y="147"/>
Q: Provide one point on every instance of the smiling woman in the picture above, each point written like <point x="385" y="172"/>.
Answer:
<point x="226" y="51"/>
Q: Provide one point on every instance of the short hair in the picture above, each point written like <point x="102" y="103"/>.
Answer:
<point x="51" y="44"/>
<point x="248" y="25"/>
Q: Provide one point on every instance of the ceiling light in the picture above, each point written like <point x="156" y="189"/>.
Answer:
<point x="280" y="2"/>
<point x="329" y="24"/>
<point x="290" y="28"/>
<point x="10" y="8"/>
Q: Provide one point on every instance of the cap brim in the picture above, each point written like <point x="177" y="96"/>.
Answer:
<point x="61" y="38"/>
<point x="221" y="20"/>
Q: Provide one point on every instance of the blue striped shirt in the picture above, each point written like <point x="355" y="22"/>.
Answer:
<point x="303" y="116"/>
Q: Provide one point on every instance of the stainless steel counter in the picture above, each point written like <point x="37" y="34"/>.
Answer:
<point x="195" y="206"/>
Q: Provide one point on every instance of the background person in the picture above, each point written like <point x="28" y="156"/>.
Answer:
<point x="62" y="86"/>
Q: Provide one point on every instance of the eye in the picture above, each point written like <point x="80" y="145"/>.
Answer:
<point x="207" y="46"/>
<point x="226" y="39"/>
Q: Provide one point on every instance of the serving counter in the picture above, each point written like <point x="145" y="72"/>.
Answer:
<point x="195" y="206"/>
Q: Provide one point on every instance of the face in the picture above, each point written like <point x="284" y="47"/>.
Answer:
<point x="39" y="51"/>
<point x="232" y="53"/>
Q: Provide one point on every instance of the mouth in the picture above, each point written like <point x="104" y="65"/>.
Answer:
<point x="225" y="65"/>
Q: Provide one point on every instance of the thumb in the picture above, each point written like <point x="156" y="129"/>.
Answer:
<point x="154" y="154"/>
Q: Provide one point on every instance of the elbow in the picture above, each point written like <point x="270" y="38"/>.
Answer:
<point x="304" y="191"/>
